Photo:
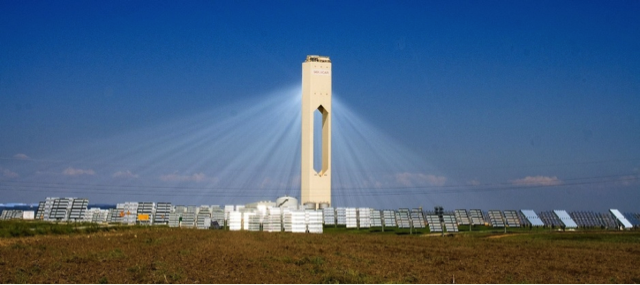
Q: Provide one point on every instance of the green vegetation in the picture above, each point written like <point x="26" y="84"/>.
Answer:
<point x="373" y="230"/>
<point x="21" y="228"/>
<point x="479" y="229"/>
<point x="632" y="237"/>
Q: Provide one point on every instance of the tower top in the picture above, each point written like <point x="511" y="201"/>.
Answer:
<point x="317" y="58"/>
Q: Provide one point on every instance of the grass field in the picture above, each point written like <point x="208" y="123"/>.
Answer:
<point x="166" y="255"/>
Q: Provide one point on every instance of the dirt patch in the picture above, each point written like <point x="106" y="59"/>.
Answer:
<point x="503" y="236"/>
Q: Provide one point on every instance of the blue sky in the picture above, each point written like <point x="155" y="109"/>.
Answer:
<point x="495" y="104"/>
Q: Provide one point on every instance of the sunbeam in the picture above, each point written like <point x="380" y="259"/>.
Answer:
<point x="238" y="153"/>
<point x="251" y="150"/>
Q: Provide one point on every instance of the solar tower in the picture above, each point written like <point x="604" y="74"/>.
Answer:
<point x="316" y="97"/>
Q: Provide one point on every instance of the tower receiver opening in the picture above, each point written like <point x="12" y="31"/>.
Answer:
<point x="320" y="163"/>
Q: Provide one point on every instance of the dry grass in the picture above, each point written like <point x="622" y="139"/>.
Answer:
<point x="164" y="255"/>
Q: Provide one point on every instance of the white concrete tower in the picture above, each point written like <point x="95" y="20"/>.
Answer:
<point x="316" y="97"/>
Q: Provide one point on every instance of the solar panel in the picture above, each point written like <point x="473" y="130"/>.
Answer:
<point x="314" y="221"/>
<point x="235" y="221"/>
<point x="217" y="215"/>
<point x="620" y="217"/>
<point x="549" y="219"/>
<point x="100" y="216"/>
<point x="45" y="212"/>
<point x="389" y="218"/>
<point x="298" y="224"/>
<point x="376" y="218"/>
<point x="586" y="219"/>
<point x="434" y="223"/>
<point x="566" y="220"/>
<point x="593" y="219"/>
<point x="632" y="219"/>
<point x="496" y="218"/>
<point x="129" y="213"/>
<point x="417" y="218"/>
<point x="227" y="210"/>
<point x="110" y="214"/>
<point x="176" y="216"/>
<point x="532" y="217"/>
<point x="403" y="219"/>
<point x="203" y="218"/>
<point x="261" y="211"/>
<point x="92" y="215"/>
<point x="511" y="218"/>
<point x="266" y="221"/>
<point x="252" y="221"/>
<point x="49" y="208"/>
<point x="274" y="218"/>
<point x="602" y="220"/>
<point x="351" y="215"/>
<point x="450" y="223"/>
<point x="485" y="216"/>
<point x="476" y="216"/>
<point x="60" y="209"/>
<point x="341" y="216"/>
<point x="161" y="214"/>
<point x="40" y="211"/>
<point x="188" y="220"/>
<point x="117" y="214"/>
<point x="523" y="221"/>
<point x="364" y="218"/>
<point x="589" y="219"/>
<point x="329" y="216"/>
<point x="607" y="220"/>
<point x="580" y="218"/>
<point x="148" y="209"/>
<point x="462" y="217"/>
<point x="245" y="219"/>
<point x="11" y="214"/>
<point x="18" y="214"/>
<point x="87" y="215"/>
<point x="286" y="219"/>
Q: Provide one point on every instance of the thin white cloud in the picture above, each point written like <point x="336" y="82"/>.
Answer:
<point x="21" y="156"/>
<point x="174" y="177"/>
<point x="70" y="171"/>
<point x="125" y="174"/>
<point x="473" y="182"/>
<point x="628" y="180"/>
<point x="6" y="173"/>
<point x="537" y="181"/>
<point x="436" y="180"/>
<point x="419" y="179"/>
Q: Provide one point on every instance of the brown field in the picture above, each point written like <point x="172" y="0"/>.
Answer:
<point x="164" y="255"/>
